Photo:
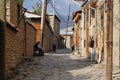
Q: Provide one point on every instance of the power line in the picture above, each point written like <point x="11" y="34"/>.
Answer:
<point x="58" y="13"/>
<point x="40" y="1"/>
<point x="69" y="6"/>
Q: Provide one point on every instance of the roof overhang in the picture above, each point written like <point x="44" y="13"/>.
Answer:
<point x="89" y="3"/>
<point x="77" y="16"/>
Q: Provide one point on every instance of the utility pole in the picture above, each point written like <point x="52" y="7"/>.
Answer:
<point x="67" y="21"/>
<point x="2" y="38"/>
<point x="53" y="27"/>
<point x="109" y="63"/>
<point x="43" y="17"/>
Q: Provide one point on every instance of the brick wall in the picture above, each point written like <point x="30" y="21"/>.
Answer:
<point x="13" y="11"/>
<point x="31" y="39"/>
<point x="15" y="39"/>
<point x="47" y="38"/>
<point x="55" y="27"/>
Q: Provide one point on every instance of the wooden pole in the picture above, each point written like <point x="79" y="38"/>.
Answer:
<point x="87" y="34"/>
<point x="69" y="6"/>
<point x="43" y="17"/>
<point x="109" y="63"/>
<point x="2" y="38"/>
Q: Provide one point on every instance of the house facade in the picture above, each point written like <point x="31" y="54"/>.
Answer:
<point x="15" y="37"/>
<point x="94" y="26"/>
<point x="68" y="37"/>
<point x="77" y="32"/>
<point x="55" y="25"/>
<point x="47" y="38"/>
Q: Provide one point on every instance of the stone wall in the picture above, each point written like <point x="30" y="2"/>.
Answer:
<point x="116" y="24"/>
<point x="68" y="41"/>
<point x="116" y="28"/>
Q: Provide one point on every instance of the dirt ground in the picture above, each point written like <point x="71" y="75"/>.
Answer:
<point x="62" y="65"/>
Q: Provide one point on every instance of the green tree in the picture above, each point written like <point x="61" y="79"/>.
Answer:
<point x="20" y="1"/>
<point x="37" y="9"/>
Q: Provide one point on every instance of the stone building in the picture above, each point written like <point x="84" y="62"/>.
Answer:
<point x="68" y="38"/>
<point x="77" y="32"/>
<point x="94" y="19"/>
<point x="35" y="20"/>
<point x="61" y="44"/>
<point x="55" y="24"/>
<point x="116" y="36"/>
<point x="116" y="32"/>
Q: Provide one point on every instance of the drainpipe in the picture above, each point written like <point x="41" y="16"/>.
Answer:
<point x="90" y="34"/>
<point x="25" y="38"/>
<point x="83" y="25"/>
<point x="95" y="28"/>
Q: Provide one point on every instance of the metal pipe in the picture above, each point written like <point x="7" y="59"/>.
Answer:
<point x="25" y="38"/>
<point x="95" y="27"/>
<point x="91" y="31"/>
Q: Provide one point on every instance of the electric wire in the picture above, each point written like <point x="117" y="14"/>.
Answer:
<point x="57" y="12"/>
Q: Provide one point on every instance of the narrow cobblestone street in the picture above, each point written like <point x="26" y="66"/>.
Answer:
<point x="62" y="65"/>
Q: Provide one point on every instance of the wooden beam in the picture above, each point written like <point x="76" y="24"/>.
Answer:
<point x="109" y="63"/>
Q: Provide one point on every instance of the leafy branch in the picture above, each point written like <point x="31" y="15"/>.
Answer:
<point x="20" y="1"/>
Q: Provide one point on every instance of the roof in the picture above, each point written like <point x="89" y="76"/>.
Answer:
<point x="76" y="12"/>
<point x="63" y="31"/>
<point x="84" y="3"/>
<point x="12" y="26"/>
<point x="31" y="15"/>
<point x="87" y="1"/>
<point x="29" y="23"/>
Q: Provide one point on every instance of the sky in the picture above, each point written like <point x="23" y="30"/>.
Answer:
<point x="61" y="7"/>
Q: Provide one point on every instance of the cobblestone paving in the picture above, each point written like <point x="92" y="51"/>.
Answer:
<point x="61" y="65"/>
